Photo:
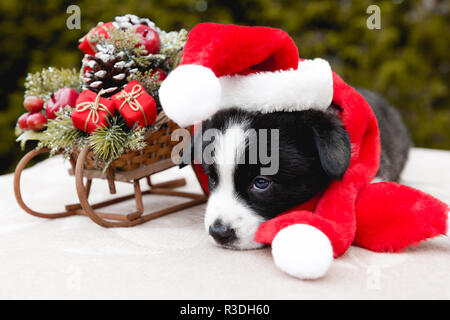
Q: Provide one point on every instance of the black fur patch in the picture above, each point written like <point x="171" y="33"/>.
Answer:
<point x="394" y="137"/>
<point x="314" y="150"/>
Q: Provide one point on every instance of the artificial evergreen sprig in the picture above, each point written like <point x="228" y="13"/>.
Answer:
<point x="128" y="43"/>
<point x="61" y="135"/>
<point x="148" y="80"/>
<point x="50" y="80"/>
<point x="123" y="57"/>
<point x="135" y="139"/>
<point x="109" y="142"/>
<point x="124" y="42"/>
<point x="172" y="44"/>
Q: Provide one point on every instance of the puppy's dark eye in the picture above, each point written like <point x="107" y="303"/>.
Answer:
<point x="261" y="184"/>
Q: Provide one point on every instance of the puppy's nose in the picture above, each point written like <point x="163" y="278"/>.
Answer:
<point x="222" y="233"/>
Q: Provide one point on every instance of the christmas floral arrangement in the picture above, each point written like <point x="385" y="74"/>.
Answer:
<point x="112" y="102"/>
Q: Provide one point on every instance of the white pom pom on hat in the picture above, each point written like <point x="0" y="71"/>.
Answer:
<point x="302" y="251"/>
<point x="254" y="68"/>
<point x="189" y="94"/>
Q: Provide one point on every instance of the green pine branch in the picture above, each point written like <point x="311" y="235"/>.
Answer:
<point x="110" y="141"/>
<point x="61" y="135"/>
<point x="50" y="80"/>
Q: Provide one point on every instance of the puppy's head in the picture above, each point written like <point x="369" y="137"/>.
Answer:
<point x="260" y="165"/>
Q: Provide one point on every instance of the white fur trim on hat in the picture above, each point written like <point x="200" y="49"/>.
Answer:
<point x="189" y="94"/>
<point x="302" y="251"/>
<point x="193" y="93"/>
<point x="308" y="87"/>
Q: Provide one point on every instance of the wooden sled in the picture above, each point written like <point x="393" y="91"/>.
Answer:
<point x="131" y="167"/>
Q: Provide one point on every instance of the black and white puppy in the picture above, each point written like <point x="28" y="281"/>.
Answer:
<point x="312" y="150"/>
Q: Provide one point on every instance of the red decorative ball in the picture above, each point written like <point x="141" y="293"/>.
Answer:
<point x="61" y="98"/>
<point x="33" y="104"/>
<point x="150" y="38"/>
<point x="22" y="121"/>
<point x="36" y="121"/>
<point x="88" y="44"/>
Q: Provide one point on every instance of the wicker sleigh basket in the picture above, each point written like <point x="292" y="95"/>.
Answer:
<point x="130" y="167"/>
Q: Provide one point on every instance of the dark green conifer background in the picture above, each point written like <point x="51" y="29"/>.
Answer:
<point x="406" y="60"/>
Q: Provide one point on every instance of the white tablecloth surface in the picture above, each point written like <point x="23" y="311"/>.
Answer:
<point x="171" y="257"/>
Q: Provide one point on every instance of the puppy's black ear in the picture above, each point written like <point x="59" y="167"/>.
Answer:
<point x="332" y="143"/>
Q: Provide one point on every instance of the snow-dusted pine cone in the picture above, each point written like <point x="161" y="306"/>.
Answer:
<point x="130" y="20"/>
<point x="106" y="72"/>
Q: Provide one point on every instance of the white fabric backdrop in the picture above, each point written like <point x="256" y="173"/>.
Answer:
<point x="171" y="257"/>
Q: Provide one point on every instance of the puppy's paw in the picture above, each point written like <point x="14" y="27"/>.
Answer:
<point x="302" y="251"/>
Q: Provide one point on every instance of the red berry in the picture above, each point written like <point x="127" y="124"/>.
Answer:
<point x="161" y="75"/>
<point x="36" y="121"/>
<point x="51" y="109"/>
<point x="150" y="39"/>
<point x="33" y="104"/>
<point x="61" y="98"/>
<point x="22" y="121"/>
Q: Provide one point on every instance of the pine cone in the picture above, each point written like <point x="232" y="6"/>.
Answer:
<point x="130" y="20"/>
<point x="108" y="72"/>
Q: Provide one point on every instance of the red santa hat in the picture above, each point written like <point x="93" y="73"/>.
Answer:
<point x="257" y="67"/>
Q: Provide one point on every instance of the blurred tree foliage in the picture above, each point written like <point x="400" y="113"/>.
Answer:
<point x="406" y="60"/>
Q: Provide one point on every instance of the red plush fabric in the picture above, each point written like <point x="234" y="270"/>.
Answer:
<point x="335" y="214"/>
<point x="379" y="217"/>
<point x="201" y="177"/>
<point x="254" y="49"/>
<point x="390" y="217"/>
